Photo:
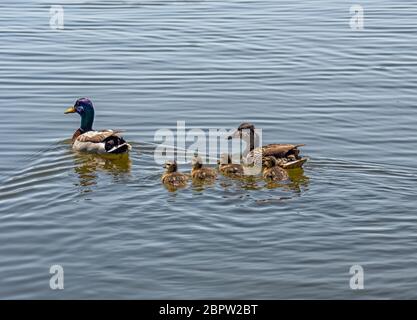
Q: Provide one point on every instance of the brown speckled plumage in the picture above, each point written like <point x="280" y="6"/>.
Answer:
<point x="198" y="172"/>
<point x="172" y="178"/>
<point x="204" y="174"/>
<point x="227" y="168"/>
<point x="281" y="150"/>
<point x="271" y="170"/>
<point x="253" y="154"/>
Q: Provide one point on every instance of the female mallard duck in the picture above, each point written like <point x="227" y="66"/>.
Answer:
<point x="251" y="155"/>
<point x="87" y="140"/>
<point x="271" y="170"/>
<point x="228" y="168"/>
<point x="198" y="172"/>
<point x="173" y="179"/>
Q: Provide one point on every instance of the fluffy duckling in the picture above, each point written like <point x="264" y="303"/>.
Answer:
<point x="271" y="170"/>
<point x="246" y="131"/>
<point x="173" y="179"/>
<point x="88" y="140"/>
<point x="227" y="168"/>
<point x="198" y="172"/>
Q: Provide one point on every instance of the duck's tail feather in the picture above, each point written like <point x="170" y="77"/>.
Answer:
<point x="116" y="145"/>
<point x="120" y="149"/>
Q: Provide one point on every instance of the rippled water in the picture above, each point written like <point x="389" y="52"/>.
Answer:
<point x="295" y="69"/>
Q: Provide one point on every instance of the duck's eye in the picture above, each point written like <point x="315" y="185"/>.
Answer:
<point x="80" y="109"/>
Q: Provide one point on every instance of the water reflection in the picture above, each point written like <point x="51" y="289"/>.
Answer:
<point x="201" y="185"/>
<point x="298" y="181"/>
<point x="89" y="166"/>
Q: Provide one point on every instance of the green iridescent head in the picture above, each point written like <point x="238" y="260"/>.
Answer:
<point x="84" y="107"/>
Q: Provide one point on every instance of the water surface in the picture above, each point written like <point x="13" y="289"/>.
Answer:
<point x="296" y="70"/>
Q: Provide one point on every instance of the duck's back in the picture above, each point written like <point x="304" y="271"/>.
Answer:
<point x="275" y="150"/>
<point x="101" y="142"/>
<point x="231" y="169"/>
<point x="175" y="179"/>
<point x="280" y="150"/>
<point x="204" y="173"/>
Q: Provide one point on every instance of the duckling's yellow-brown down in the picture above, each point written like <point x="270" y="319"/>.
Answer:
<point x="271" y="170"/>
<point x="198" y="172"/>
<point x="172" y="178"/>
<point x="227" y="168"/>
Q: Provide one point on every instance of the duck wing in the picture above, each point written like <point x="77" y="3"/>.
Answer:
<point x="97" y="136"/>
<point x="176" y="179"/>
<point x="102" y="142"/>
<point x="204" y="173"/>
<point x="281" y="150"/>
<point x="231" y="169"/>
<point x="294" y="164"/>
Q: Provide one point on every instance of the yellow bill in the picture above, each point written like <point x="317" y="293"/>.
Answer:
<point x="70" y="110"/>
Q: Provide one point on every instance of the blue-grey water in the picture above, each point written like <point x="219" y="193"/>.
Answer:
<point x="295" y="69"/>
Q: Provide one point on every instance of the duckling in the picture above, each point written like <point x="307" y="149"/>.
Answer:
<point x="200" y="173"/>
<point x="252" y="155"/>
<point x="271" y="170"/>
<point x="85" y="139"/>
<point x="173" y="179"/>
<point x="228" y="168"/>
<point x="291" y="157"/>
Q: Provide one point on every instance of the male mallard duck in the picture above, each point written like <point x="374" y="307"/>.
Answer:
<point x="252" y="155"/>
<point x="198" y="172"/>
<point x="87" y="140"/>
<point x="173" y="179"/>
<point x="271" y="170"/>
<point x="228" y="168"/>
